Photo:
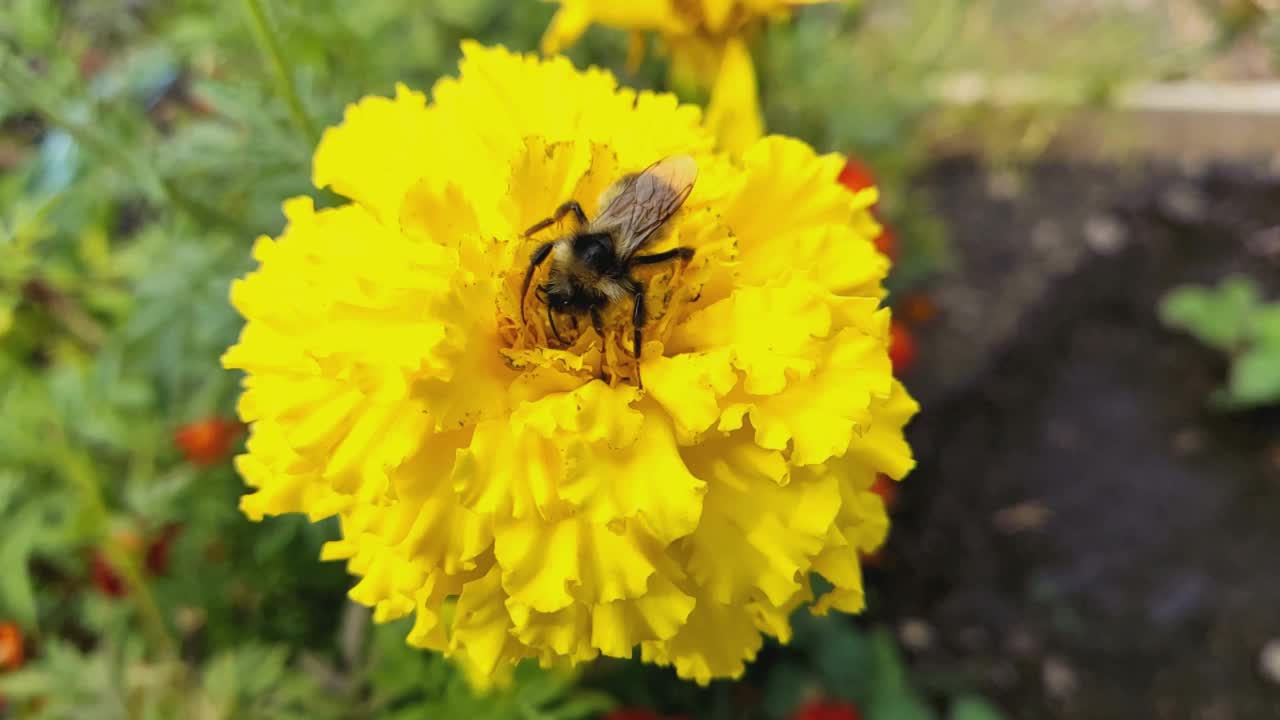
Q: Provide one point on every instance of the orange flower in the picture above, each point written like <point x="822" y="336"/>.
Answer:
<point x="207" y="442"/>
<point x="11" y="653"/>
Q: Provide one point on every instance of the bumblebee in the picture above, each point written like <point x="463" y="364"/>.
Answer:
<point x="591" y="267"/>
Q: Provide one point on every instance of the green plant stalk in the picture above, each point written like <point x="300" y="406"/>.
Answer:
<point x="82" y="475"/>
<point x="153" y="624"/>
<point x="284" y="78"/>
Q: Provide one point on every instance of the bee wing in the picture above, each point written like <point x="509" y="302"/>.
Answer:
<point x="637" y="205"/>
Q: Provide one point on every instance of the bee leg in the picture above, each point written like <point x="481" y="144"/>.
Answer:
<point x="536" y="259"/>
<point x="637" y="320"/>
<point x="551" y="320"/>
<point x="681" y="253"/>
<point x="597" y="322"/>
<point x="571" y="206"/>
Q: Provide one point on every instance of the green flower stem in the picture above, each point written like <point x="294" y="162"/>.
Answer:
<point x="284" y="78"/>
<point x="153" y="623"/>
<point x="82" y="474"/>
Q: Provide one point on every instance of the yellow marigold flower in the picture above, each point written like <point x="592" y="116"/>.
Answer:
<point x="485" y="478"/>
<point x="706" y="40"/>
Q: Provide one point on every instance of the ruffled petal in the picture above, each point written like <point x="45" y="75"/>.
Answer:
<point x="716" y="641"/>
<point x="883" y="445"/>
<point x="811" y="226"/>
<point x="618" y="627"/>
<point x="381" y="148"/>
<point x="482" y="630"/>
<point x="646" y="485"/>
<point x="775" y="528"/>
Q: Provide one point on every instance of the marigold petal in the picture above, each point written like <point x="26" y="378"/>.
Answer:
<point x="883" y="445"/>
<point x="481" y="634"/>
<point x="734" y="110"/>
<point x="566" y="26"/>
<point x="648" y="482"/>
<point x="382" y="146"/>
<point x="775" y="528"/>
<point x="689" y="387"/>
<point x="766" y="217"/>
<point x="618" y="627"/>
<point x="717" y="641"/>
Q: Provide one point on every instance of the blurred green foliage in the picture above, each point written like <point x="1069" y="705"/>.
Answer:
<point x="388" y="680"/>
<point x="1233" y="319"/>
<point x="144" y="144"/>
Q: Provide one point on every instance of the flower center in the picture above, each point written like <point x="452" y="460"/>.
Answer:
<point x="585" y="324"/>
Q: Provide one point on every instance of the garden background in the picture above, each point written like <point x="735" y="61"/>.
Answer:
<point x="1083" y="201"/>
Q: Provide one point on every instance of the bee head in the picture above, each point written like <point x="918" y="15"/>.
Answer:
<point x="555" y="296"/>
<point x="566" y="296"/>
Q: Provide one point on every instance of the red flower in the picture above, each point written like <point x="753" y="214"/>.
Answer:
<point x="154" y="558"/>
<point x="856" y="175"/>
<point x="887" y="243"/>
<point x="208" y="441"/>
<point x="917" y="309"/>
<point x="902" y="348"/>
<point x="157" y="559"/>
<point x="11" y="653"/>
<point x="105" y="577"/>
<point x="887" y="489"/>
<point x="826" y="710"/>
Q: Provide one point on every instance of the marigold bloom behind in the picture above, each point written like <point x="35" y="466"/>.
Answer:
<point x="707" y="41"/>
<point x="486" y="479"/>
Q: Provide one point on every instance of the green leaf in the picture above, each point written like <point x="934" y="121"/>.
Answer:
<point x="583" y="705"/>
<point x="893" y="698"/>
<point x="541" y="688"/>
<point x="1219" y="317"/>
<point x="784" y="689"/>
<point x="1264" y="326"/>
<point x="220" y="681"/>
<point x="891" y="674"/>
<point x="27" y="683"/>
<point x="900" y="707"/>
<point x="972" y="707"/>
<point x="1255" y="376"/>
<point x="845" y="657"/>
<point x="17" y="593"/>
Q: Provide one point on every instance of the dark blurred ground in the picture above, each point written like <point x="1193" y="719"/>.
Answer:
<point x="1084" y="537"/>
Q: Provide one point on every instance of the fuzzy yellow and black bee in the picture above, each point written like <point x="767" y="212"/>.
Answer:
<point x="591" y="267"/>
